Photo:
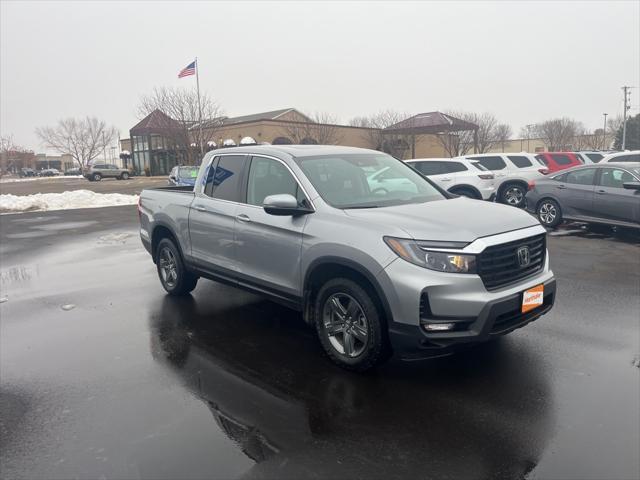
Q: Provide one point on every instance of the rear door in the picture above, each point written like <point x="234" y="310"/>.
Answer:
<point x="612" y="201"/>
<point x="268" y="246"/>
<point x="212" y="215"/>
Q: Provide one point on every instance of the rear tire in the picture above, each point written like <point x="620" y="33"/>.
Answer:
<point x="350" y="325"/>
<point x="513" y="194"/>
<point x="124" y="176"/>
<point x="173" y="274"/>
<point x="549" y="213"/>
<point x="96" y="177"/>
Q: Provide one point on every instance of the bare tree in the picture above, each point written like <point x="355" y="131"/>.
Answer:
<point x="558" y="133"/>
<point x="393" y="142"/>
<point x="503" y="134"/>
<point x="321" y="130"/>
<point x="84" y="138"/>
<point x="614" y="125"/>
<point x="181" y="106"/>
<point x="459" y="142"/>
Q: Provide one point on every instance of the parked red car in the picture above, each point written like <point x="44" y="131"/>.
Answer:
<point x="555" y="161"/>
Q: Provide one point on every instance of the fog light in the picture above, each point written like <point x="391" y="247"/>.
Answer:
<point x="439" y="327"/>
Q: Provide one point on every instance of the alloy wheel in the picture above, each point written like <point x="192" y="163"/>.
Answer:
<point x="514" y="195"/>
<point x="547" y="213"/>
<point x="345" y="324"/>
<point x="168" y="267"/>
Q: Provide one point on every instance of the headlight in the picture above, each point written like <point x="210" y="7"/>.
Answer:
<point x="433" y="260"/>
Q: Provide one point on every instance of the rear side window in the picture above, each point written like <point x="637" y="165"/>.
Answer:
<point x="542" y="160"/>
<point x="428" y="168"/>
<point x="594" y="157"/>
<point x="479" y="166"/>
<point x="561" y="159"/>
<point x="223" y="181"/>
<point x="452" y="167"/>
<point x="491" y="163"/>
<point x="520" y="161"/>
<point x="632" y="157"/>
<point x="581" y="177"/>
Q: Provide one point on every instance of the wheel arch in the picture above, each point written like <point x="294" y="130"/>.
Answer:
<point x="464" y="186"/>
<point x="161" y="231"/>
<point x="513" y="181"/>
<point x="325" y="268"/>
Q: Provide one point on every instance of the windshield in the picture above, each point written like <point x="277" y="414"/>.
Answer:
<point x="188" y="172"/>
<point x="367" y="181"/>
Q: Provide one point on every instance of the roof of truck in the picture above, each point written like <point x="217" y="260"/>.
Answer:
<point x="296" y="151"/>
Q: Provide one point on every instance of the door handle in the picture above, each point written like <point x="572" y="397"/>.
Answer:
<point x="601" y="192"/>
<point x="445" y="179"/>
<point x="561" y="187"/>
<point x="200" y="208"/>
<point x="243" y="218"/>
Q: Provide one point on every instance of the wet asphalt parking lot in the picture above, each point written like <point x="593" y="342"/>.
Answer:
<point x="125" y="382"/>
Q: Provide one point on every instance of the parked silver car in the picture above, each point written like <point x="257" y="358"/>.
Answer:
<point x="601" y="193"/>
<point x="408" y="268"/>
<point x="97" y="171"/>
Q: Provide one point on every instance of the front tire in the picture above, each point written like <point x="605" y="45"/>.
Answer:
<point x="124" y="176"/>
<point x="350" y="325"/>
<point x="513" y="194"/>
<point x="549" y="213"/>
<point x="97" y="177"/>
<point x="174" y="276"/>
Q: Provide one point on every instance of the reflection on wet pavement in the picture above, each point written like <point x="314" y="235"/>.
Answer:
<point x="483" y="414"/>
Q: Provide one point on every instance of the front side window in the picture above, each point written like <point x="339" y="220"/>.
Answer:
<point x="614" y="178"/>
<point x="479" y="166"/>
<point x="270" y="177"/>
<point x="561" y="159"/>
<point x="594" y="157"/>
<point x="520" y="161"/>
<point x="542" y="160"/>
<point x="491" y="163"/>
<point x="581" y="177"/>
<point x="223" y="178"/>
<point x="367" y="181"/>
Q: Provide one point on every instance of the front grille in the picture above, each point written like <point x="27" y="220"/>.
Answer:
<point x="498" y="265"/>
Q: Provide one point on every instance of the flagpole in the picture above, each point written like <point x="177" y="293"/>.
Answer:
<point x="199" y="108"/>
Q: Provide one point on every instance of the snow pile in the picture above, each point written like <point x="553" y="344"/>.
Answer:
<point x="33" y="179"/>
<point x="63" y="201"/>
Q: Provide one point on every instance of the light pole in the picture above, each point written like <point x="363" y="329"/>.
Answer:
<point x="604" y="132"/>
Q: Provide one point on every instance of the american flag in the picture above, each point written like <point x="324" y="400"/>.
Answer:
<point x="188" y="70"/>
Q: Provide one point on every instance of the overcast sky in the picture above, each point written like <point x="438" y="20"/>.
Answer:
<point x="523" y="61"/>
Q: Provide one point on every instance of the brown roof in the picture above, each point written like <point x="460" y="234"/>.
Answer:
<point x="155" y="122"/>
<point x="431" y="122"/>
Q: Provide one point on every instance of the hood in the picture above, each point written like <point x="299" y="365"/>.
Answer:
<point x="456" y="220"/>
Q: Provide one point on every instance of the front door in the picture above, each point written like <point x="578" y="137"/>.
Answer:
<point x="212" y="215"/>
<point x="612" y="201"/>
<point x="268" y="247"/>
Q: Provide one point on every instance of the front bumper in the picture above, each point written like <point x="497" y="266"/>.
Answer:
<point x="498" y="317"/>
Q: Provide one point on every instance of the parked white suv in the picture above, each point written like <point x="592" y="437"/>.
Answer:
<point x="513" y="173"/>
<point x="630" y="156"/>
<point x="460" y="176"/>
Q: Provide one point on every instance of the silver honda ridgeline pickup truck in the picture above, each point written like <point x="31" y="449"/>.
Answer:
<point x="378" y="266"/>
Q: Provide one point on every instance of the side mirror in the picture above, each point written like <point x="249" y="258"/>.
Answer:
<point x="283" y="204"/>
<point x="631" y="185"/>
